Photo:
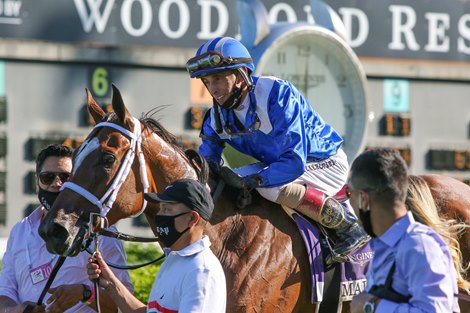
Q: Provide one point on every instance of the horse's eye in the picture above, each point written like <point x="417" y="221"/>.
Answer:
<point x="108" y="159"/>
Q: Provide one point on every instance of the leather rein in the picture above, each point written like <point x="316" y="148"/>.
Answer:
<point x="104" y="205"/>
<point x="110" y="195"/>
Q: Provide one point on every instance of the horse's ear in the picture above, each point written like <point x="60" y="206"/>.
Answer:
<point x="119" y="107"/>
<point x="95" y="110"/>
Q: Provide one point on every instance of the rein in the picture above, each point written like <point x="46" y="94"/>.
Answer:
<point x="121" y="236"/>
<point x="105" y="203"/>
<point x="29" y="308"/>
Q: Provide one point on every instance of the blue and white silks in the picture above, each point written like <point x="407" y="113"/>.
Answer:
<point x="290" y="132"/>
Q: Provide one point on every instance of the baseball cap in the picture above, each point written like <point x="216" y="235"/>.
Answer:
<point x="189" y="192"/>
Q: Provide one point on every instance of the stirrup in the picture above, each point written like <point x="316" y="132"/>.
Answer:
<point x="332" y="256"/>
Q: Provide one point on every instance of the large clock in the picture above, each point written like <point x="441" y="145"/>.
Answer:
<point x="326" y="70"/>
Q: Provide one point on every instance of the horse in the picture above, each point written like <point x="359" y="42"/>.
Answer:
<point x="259" y="247"/>
<point x="452" y="199"/>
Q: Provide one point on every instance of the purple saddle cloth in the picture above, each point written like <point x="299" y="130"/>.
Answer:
<point x="353" y="271"/>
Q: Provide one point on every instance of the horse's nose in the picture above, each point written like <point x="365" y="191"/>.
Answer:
<point x="55" y="236"/>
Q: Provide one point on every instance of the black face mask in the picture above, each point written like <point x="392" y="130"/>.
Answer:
<point x="47" y="198"/>
<point x="166" y="229"/>
<point x="366" y="223"/>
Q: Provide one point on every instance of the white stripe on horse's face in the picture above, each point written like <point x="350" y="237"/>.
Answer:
<point x="85" y="149"/>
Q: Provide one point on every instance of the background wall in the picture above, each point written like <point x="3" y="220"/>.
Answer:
<point x="50" y="53"/>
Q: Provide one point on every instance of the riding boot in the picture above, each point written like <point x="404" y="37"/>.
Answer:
<point x="330" y="213"/>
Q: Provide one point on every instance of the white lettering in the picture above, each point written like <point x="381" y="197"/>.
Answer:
<point x="10" y="8"/>
<point x="347" y="15"/>
<point x="126" y="17"/>
<point x="308" y="10"/>
<point x="438" y="24"/>
<point x="399" y="28"/>
<point x="164" y="14"/>
<point x="206" y="19"/>
<point x="352" y="288"/>
<point x="273" y="14"/>
<point x="464" y="31"/>
<point x="95" y="17"/>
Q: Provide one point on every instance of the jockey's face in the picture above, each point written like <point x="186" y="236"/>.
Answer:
<point x="220" y="85"/>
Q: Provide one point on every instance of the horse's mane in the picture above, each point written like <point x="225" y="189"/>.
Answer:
<point x="151" y="123"/>
<point x="191" y="156"/>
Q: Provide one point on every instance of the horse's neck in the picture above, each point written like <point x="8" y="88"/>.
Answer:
<point x="166" y="164"/>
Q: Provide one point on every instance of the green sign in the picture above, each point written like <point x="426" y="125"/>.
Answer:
<point x="396" y="95"/>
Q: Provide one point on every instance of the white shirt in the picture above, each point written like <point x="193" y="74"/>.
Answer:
<point x="27" y="263"/>
<point x="190" y="280"/>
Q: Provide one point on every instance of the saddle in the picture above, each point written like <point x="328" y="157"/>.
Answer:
<point x="353" y="271"/>
<point x="318" y="242"/>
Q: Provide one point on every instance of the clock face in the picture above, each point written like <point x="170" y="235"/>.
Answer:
<point x="327" y="72"/>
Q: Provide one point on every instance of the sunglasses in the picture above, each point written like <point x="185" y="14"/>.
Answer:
<point x="47" y="178"/>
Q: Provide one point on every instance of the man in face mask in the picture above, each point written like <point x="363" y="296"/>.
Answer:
<point x="191" y="279"/>
<point x="53" y="168"/>
<point x="27" y="264"/>
<point x="412" y="269"/>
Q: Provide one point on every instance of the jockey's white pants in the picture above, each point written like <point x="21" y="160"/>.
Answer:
<point x="327" y="175"/>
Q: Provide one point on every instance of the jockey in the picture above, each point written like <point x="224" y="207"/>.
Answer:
<point x="270" y="120"/>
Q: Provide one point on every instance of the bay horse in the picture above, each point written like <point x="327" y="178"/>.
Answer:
<point x="259" y="247"/>
<point x="452" y="199"/>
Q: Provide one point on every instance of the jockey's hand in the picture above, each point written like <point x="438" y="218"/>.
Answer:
<point x="237" y="181"/>
<point x="253" y="181"/>
<point x="214" y="166"/>
<point x="231" y="178"/>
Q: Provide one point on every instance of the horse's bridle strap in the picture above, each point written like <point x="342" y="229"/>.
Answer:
<point x="120" y="128"/>
<point x="83" y="192"/>
<point x="111" y="193"/>
<point x="125" y="237"/>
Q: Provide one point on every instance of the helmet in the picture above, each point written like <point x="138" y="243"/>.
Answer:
<point x="219" y="54"/>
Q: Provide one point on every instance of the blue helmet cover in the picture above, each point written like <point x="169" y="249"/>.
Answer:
<point x="227" y="47"/>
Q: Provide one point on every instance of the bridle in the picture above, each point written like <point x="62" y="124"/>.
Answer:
<point x="105" y="203"/>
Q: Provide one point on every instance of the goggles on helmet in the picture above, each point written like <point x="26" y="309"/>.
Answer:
<point x="213" y="59"/>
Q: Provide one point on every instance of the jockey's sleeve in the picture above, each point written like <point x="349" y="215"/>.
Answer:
<point x="212" y="146"/>
<point x="286" y="116"/>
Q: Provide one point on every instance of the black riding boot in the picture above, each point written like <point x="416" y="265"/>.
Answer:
<point x="330" y="213"/>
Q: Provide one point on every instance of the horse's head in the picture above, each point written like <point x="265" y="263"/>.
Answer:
<point x="112" y="169"/>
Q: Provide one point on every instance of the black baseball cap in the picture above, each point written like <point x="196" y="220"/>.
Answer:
<point x="189" y="192"/>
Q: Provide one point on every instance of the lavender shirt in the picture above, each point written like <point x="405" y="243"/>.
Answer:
<point x="424" y="268"/>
